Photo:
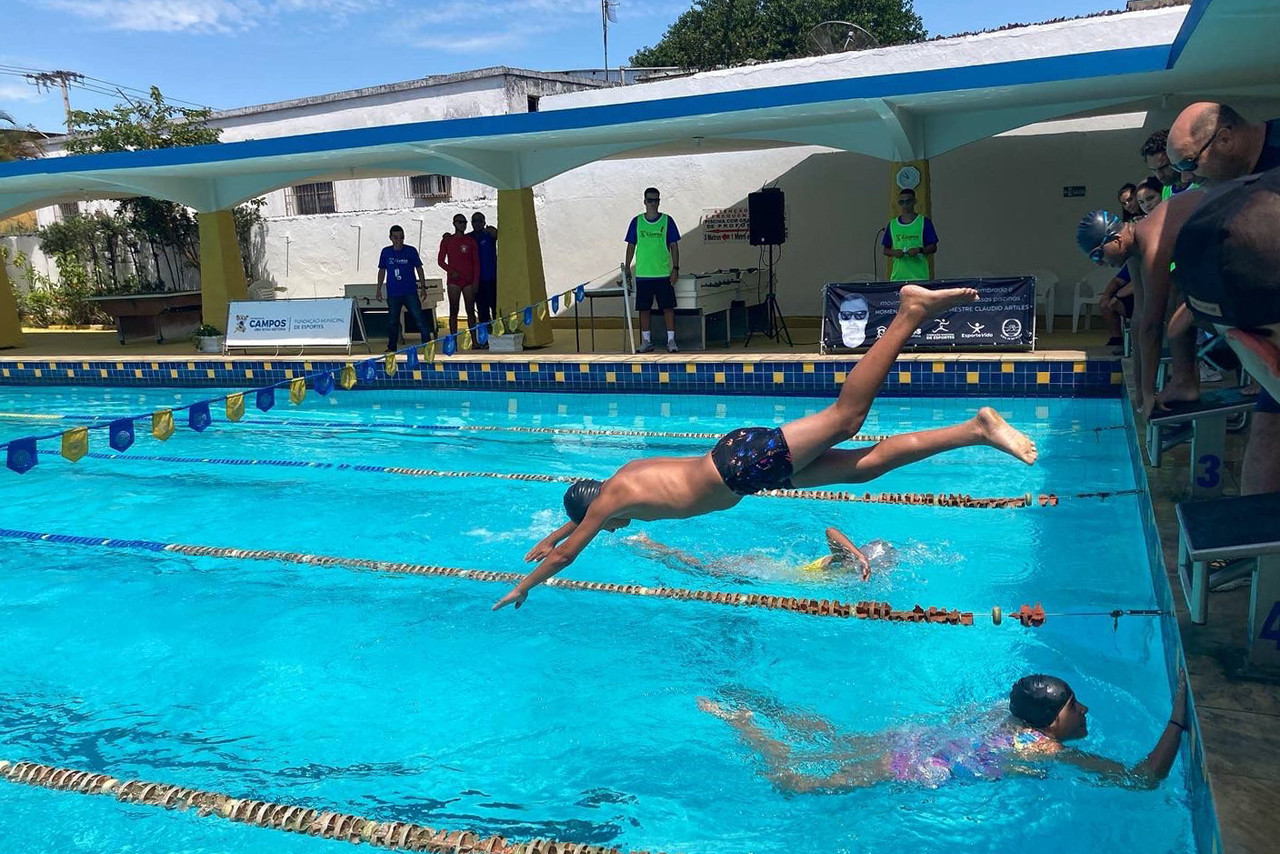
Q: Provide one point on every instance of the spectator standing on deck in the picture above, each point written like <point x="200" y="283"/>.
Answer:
<point x="1150" y="193"/>
<point x="400" y="268"/>
<point x="1218" y="144"/>
<point x="1157" y="160"/>
<point x="909" y="240"/>
<point x="459" y="258"/>
<point x="486" y="238"/>
<point x="653" y="242"/>
<point x="1128" y="199"/>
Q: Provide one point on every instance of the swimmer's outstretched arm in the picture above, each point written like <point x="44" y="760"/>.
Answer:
<point x="663" y="552"/>
<point x="601" y="510"/>
<point x="550" y="541"/>
<point x="842" y="548"/>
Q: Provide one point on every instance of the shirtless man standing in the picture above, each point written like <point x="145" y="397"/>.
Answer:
<point x="800" y="454"/>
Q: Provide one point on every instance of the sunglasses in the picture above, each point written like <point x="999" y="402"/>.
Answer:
<point x="1190" y="163"/>
<point x="860" y="314"/>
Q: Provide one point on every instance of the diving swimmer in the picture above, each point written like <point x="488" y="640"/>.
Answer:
<point x="1044" y="715"/>
<point x="843" y="556"/>
<point x="800" y="454"/>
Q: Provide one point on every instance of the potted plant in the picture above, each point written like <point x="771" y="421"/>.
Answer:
<point x="209" y="339"/>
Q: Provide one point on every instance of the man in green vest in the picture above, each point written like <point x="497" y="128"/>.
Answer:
<point x="653" y="242"/>
<point x="908" y="240"/>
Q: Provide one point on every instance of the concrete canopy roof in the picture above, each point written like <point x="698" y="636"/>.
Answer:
<point x="903" y="102"/>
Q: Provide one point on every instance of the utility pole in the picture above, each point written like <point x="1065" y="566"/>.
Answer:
<point x="608" y="12"/>
<point x="46" y="80"/>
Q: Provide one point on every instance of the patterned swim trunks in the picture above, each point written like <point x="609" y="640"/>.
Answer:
<point x="752" y="459"/>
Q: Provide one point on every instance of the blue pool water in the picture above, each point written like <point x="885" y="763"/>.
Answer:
<point x="405" y="698"/>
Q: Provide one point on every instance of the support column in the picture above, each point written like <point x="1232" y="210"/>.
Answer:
<point x="923" y="201"/>
<point x="221" y="270"/>
<point x="521" y="280"/>
<point x="10" y="327"/>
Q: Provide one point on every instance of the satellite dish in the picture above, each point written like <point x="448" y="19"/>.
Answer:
<point x="839" y="37"/>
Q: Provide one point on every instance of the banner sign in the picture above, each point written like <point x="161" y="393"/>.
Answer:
<point x="725" y="225"/>
<point x="857" y="313"/>
<point x="324" y="322"/>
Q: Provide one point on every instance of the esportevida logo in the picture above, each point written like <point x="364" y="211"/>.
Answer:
<point x="240" y="319"/>
<point x="1011" y="328"/>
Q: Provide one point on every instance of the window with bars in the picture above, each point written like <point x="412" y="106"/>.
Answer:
<point x="67" y="210"/>
<point x="429" y="186"/>
<point x="306" y="199"/>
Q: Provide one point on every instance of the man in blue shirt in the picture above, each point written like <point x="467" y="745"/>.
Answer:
<point x="486" y="237"/>
<point x="401" y="269"/>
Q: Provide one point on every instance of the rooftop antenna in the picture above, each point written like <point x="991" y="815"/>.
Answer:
<point x="839" y="37"/>
<point x="608" y="12"/>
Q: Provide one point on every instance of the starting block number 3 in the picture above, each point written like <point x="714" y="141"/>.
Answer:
<point x="1209" y="466"/>
<point x="1271" y="626"/>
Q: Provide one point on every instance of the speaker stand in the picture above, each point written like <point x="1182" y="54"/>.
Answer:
<point x="775" y="322"/>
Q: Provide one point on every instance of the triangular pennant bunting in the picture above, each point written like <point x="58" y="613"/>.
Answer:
<point x="347" y="379"/>
<point x="121" y="432"/>
<point x="235" y="406"/>
<point x="323" y="383"/>
<point x="198" y="416"/>
<point x="22" y="456"/>
<point x="161" y="424"/>
<point x="297" y="390"/>
<point x="266" y="398"/>
<point x="75" y="443"/>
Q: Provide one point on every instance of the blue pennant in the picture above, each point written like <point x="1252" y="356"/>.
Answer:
<point x="528" y="315"/>
<point x="411" y="361"/>
<point x="555" y="303"/>
<point x="121" y="432"/>
<point x="482" y="334"/>
<point x="450" y="345"/>
<point x="368" y="371"/>
<point x="266" y="398"/>
<point x="23" y="455"/>
<point x="323" y="383"/>
<point x="581" y="293"/>
<point x="198" y="416"/>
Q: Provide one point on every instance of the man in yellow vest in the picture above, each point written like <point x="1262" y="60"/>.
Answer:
<point x="908" y="240"/>
<point x="653" y="242"/>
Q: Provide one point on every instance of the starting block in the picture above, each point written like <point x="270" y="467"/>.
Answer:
<point x="1207" y="420"/>
<point x="1236" y="529"/>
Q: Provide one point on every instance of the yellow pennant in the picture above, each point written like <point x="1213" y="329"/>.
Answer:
<point x="466" y="339"/>
<point x="389" y="364"/>
<point x="542" y="311"/>
<point x="75" y="443"/>
<point x="348" y="377"/>
<point x="162" y="424"/>
<point x="513" y="321"/>
<point x="235" y="406"/>
<point x="297" y="390"/>
<point x="498" y="328"/>
<point x="430" y="355"/>
<point x="567" y="299"/>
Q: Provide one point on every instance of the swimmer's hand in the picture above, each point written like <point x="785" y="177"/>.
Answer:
<point x="516" y="595"/>
<point x="540" y="551"/>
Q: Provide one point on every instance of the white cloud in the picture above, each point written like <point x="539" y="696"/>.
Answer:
<point x="205" y="16"/>
<point x="19" y="92"/>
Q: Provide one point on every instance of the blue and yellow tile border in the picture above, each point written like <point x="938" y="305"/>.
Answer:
<point x="954" y="376"/>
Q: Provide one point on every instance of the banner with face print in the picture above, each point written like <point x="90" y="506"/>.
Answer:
<point x="1003" y="318"/>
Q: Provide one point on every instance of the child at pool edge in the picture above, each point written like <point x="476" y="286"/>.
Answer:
<point x="1043" y="715"/>
<point x="800" y="454"/>
<point x="844" y="556"/>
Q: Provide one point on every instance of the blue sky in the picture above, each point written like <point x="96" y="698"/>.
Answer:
<point x="228" y="53"/>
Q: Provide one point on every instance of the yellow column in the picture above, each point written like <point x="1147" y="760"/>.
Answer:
<point x="922" y="189"/>
<point x="221" y="270"/>
<point x="521" y="281"/>
<point x="10" y="328"/>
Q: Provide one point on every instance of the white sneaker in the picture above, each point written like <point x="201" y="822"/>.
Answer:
<point x="1209" y="375"/>
<point x="646" y="347"/>
<point x="672" y="348"/>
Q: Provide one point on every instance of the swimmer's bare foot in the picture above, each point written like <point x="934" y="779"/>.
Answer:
<point x="915" y="301"/>
<point x="713" y="708"/>
<point x="997" y="433"/>
<point x="1180" y="391"/>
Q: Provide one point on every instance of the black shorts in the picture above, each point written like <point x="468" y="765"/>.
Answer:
<point x="656" y="289"/>
<point x="751" y="459"/>
<point x="1127" y="303"/>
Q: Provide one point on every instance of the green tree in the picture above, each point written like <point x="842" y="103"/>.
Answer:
<point x="717" y="33"/>
<point x="17" y="143"/>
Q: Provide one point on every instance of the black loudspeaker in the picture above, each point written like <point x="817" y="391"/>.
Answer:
<point x="768" y="221"/>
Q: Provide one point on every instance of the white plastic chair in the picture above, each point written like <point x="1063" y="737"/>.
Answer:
<point x="1088" y="293"/>
<point x="1047" y="293"/>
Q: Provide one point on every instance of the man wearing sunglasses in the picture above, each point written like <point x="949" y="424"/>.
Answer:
<point x="909" y="240"/>
<point x="653" y="242"/>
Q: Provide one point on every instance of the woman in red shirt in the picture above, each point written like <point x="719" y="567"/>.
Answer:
<point x="460" y="259"/>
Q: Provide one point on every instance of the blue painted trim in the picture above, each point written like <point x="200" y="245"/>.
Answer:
<point x="1099" y="64"/>
<point x="1189" y="24"/>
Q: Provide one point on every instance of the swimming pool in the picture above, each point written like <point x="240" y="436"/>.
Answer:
<point x="402" y="697"/>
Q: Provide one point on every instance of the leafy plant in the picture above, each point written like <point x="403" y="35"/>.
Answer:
<point x="206" y="330"/>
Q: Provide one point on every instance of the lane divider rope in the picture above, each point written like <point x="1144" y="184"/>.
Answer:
<point x="309" y="821"/>
<point x="924" y="499"/>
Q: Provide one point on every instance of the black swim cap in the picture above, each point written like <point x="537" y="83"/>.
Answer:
<point x="578" y="497"/>
<point x="1038" y="699"/>
<point x="1095" y="229"/>
<point x="1228" y="253"/>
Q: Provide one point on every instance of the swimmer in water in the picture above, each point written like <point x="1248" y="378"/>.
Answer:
<point x="1044" y="715"/>
<point x="801" y="454"/>
<point x="844" y="557"/>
